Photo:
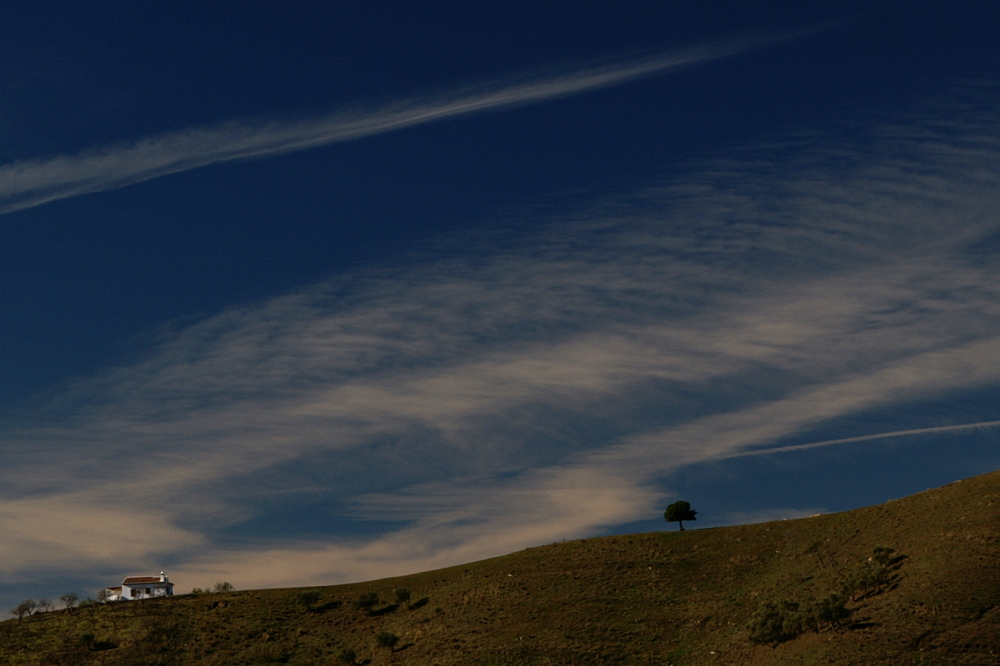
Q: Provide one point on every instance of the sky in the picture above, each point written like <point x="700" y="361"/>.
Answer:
<point x="326" y="292"/>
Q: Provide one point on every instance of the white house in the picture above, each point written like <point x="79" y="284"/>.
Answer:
<point x="140" y="587"/>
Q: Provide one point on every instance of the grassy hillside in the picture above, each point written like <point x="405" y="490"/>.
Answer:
<point x="659" y="598"/>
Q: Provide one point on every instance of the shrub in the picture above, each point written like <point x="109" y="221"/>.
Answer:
<point x="869" y="578"/>
<point x="830" y="610"/>
<point x="348" y="656"/>
<point x="307" y="598"/>
<point x="89" y="603"/>
<point x="882" y="555"/>
<point x="403" y="596"/>
<point x="367" y="602"/>
<point x="224" y="587"/>
<point x="775" y="623"/>
<point x="387" y="640"/>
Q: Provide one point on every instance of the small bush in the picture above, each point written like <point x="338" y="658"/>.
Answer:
<point x="387" y="640"/>
<point x="307" y="598"/>
<point x="89" y="604"/>
<point x="224" y="587"/>
<point x="882" y="555"/>
<point x="775" y="623"/>
<point x="348" y="656"/>
<point x="403" y="596"/>
<point x="367" y="602"/>
<point x="830" y="610"/>
<point x="869" y="578"/>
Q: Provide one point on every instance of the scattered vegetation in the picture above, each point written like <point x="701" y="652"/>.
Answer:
<point x="779" y="622"/>
<point x="26" y="607"/>
<point x="403" y="596"/>
<point x="219" y="588"/>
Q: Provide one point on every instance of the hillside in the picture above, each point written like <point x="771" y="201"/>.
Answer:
<point x="658" y="598"/>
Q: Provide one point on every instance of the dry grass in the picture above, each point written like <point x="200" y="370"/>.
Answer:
<point x="658" y="598"/>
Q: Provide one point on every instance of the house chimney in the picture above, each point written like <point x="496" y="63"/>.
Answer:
<point x="163" y="579"/>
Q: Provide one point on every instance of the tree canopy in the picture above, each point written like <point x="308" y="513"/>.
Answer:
<point x="678" y="512"/>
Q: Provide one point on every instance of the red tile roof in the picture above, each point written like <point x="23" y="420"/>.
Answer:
<point x="137" y="580"/>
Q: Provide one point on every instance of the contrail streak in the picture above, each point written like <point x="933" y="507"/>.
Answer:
<point x="866" y="438"/>
<point x="30" y="183"/>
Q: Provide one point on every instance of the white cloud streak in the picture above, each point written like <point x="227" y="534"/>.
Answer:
<point x="30" y="183"/>
<point x="938" y="430"/>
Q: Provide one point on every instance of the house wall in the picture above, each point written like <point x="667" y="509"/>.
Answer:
<point x="138" y="591"/>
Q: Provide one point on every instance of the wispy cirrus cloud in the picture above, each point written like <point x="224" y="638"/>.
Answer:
<point x="541" y="389"/>
<point x="910" y="432"/>
<point x="29" y="183"/>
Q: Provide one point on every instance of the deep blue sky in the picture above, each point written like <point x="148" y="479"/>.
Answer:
<point x="430" y="343"/>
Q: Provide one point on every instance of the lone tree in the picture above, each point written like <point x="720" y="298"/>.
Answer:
<point x="678" y="512"/>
